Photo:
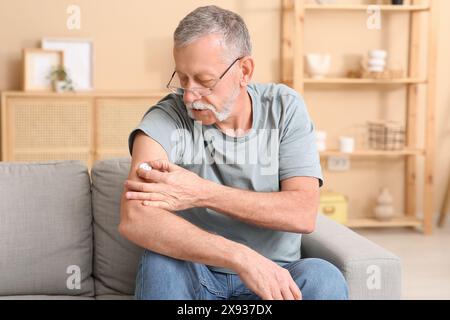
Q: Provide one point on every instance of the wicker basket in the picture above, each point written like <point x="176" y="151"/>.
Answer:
<point x="386" y="135"/>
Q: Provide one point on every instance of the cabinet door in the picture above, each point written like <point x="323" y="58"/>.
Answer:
<point x="43" y="128"/>
<point x="115" y="119"/>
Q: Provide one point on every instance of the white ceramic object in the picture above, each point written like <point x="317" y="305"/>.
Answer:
<point x="321" y="137"/>
<point x="347" y="144"/>
<point x="318" y="65"/>
<point x="377" y="63"/>
<point x="384" y="209"/>
<point x="325" y="1"/>
<point x="378" y="54"/>
<point x="375" y="69"/>
<point x="59" y="86"/>
<point x="321" y="146"/>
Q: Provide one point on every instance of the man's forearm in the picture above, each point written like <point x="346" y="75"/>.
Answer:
<point x="285" y="210"/>
<point x="165" y="233"/>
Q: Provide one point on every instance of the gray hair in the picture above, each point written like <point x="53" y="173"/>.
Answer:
<point x="208" y="20"/>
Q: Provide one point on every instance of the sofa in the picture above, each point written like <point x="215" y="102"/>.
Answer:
<point x="59" y="237"/>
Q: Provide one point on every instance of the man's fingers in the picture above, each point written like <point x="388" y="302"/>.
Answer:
<point x="157" y="204"/>
<point x="152" y="175"/>
<point x="287" y="293"/>
<point x="266" y="295"/>
<point x="297" y="294"/>
<point x="276" y="294"/>
<point x="144" y="187"/>
<point x="144" y="196"/>
<point x="163" y="165"/>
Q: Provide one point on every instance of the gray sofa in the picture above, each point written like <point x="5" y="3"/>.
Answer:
<point x="59" y="238"/>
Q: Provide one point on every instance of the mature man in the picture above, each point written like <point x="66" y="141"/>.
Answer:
<point x="224" y="178"/>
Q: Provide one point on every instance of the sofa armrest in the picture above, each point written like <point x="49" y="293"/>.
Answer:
<point x="371" y="271"/>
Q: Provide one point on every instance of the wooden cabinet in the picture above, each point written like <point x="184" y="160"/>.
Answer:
<point x="79" y="126"/>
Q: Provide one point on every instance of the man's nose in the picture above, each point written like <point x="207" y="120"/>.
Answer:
<point x="190" y="97"/>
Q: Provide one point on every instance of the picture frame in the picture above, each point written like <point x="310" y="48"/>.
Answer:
<point x="37" y="66"/>
<point x="78" y="59"/>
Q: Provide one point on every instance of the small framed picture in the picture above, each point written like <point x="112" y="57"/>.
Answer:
<point x="37" y="66"/>
<point x="78" y="59"/>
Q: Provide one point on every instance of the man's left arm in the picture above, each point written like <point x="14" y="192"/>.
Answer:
<point x="293" y="209"/>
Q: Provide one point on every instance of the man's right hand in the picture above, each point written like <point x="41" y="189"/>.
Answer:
<point x="267" y="279"/>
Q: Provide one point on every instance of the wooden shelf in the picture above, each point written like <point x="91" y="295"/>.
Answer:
<point x="393" y="223"/>
<point x="363" y="81"/>
<point x="350" y="81"/>
<point x="294" y="13"/>
<point x="374" y="153"/>
<point x="388" y="8"/>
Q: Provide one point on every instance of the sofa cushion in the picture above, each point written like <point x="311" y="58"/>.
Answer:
<point x="40" y="297"/>
<point x="45" y="229"/>
<point x="115" y="258"/>
<point x="114" y="297"/>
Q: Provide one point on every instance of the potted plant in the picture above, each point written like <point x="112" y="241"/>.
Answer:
<point x="60" y="79"/>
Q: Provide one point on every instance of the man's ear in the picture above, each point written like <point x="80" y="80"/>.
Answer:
<point x="247" y="67"/>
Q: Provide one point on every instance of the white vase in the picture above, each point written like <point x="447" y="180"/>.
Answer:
<point x="384" y="213"/>
<point x="384" y="209"/>
<point x="318" y="65"/>
<point x="347" y="144"/>
<point x="321" y="137"/>
<point x="378" y="54"/>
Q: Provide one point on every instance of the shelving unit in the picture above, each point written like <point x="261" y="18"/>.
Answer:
<point x="293" y="13"/>
<point x="374" y="153"/>
<point x="353" y="7"/>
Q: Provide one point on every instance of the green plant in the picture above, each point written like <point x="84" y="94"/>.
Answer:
<point x="59" y="73"/>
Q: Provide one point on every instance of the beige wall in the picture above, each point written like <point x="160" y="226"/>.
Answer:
<point x="133" y="52"/>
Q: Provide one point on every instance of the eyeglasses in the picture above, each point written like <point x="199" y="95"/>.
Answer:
<point x="200" y="91"/>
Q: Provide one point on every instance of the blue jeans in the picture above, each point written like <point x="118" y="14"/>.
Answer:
<point x="163" y="278"/>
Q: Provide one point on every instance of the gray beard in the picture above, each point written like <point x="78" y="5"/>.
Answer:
<point x="222" y="115"/>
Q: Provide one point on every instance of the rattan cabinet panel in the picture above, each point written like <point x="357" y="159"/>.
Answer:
<point x="115" y="120"/>
<point x="73" y="126"/>
<point x="44" y="123"/>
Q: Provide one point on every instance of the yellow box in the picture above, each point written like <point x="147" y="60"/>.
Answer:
<point x="334" y="206"/>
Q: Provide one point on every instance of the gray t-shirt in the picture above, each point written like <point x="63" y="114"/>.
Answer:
<point x="280" y="145"/>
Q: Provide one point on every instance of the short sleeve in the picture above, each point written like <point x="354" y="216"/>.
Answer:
<point x="298" y="153"/>
<point x="162" y="124"/>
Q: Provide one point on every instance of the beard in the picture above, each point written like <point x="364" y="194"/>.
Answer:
<point x="220" y="115"/>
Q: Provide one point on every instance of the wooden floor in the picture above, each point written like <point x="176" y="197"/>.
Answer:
<point x="425" y="259"/>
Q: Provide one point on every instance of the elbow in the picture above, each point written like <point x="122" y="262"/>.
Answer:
<point x="306" y="228"/>
<point x="124" y="224"/>
<point x="306" y="224"/>
<point x="123" y="228"/>
<point x="132" y="217"/>
<point x="307" y="218"/>
<point x="127" y="218"/>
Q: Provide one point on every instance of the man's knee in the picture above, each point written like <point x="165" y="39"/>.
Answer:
<point x="318" y="279"/>
<point x="159" y="263"/>
<point x="163" y="277"/>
